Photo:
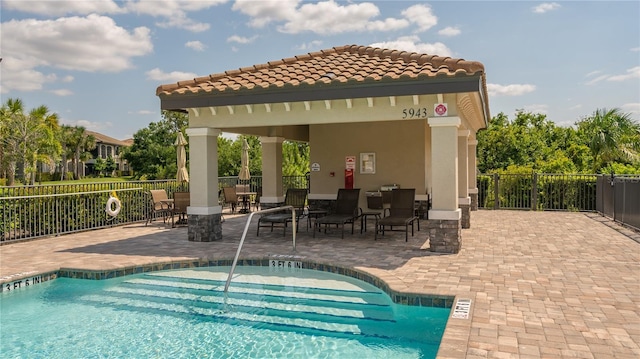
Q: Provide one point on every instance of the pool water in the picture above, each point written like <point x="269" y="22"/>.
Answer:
<point x="184" y="314"/>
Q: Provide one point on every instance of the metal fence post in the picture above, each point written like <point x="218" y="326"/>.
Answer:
<point x="534" y="191"/>
<point x="496" y="191"/>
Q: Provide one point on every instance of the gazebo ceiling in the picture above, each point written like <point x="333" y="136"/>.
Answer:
<point x="347" y="72"/>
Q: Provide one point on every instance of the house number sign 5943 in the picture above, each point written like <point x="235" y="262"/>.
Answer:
<point x="418" y="112"/>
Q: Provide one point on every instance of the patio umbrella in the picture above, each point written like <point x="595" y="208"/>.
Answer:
<point x="244" y="162"/>
<point x="182" y="175"/>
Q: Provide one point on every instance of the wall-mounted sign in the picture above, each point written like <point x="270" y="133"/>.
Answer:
<point x="350" y="162"/>
<point x="440" y="109"/>
<point x="368" y="163"/>
<point x="315" y="167"/>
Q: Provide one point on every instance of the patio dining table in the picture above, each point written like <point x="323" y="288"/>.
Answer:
<point x="246" y="201"/>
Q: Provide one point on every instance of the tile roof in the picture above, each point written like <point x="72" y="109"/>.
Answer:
<point x="349" y="64"/>
<point x="106" y="139"/>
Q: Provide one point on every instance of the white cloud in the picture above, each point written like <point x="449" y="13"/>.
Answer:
<point x="142" y="112"/>
<point x="324" y="17"/>
<point x="422" y="16"/>
<point x="593" y="73"/>
<point x="64" y="7"/>
<point x="313" y="45"/>
<point x="266" y="11"/>
<point x="635" y="49"/>
<point x="174" y="12"/>
<point x="633" y="108"/>
<point x="62" y="92"/>
<point x="537" y="108"/>
<point x="328" y="17"/>
<point x="632" y="73"/>
<point x="545" y="7"/>
<point x="67" y="78"/>
<point x="91" y="126"/>
<point x="449" y="31"/>
<point x="510" y="90"/>
<point x="91" y="44"/>
<point x="241" y="40"/>
<point x="174" y="76"/>
<point x="597" y="79"/>
<point x="195" y="45"/>
<point x="181" y="21"/>
<point x="412" y="44"/>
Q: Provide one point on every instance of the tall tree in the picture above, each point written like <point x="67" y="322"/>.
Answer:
<point x="153" y="153"/>
<point x="530" y="140"/>
<point x="27" y="138"/>
<point x="80" y="143"/>
<point x="295" y="158"/>
<point x="11" y="115"/>
<point x="65" y="137"/>
<point x="611" y="136"/>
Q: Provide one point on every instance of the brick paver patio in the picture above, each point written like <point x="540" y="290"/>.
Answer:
<point x="542" y="284"/>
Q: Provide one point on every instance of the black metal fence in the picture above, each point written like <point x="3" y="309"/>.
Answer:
<point x="49" y="210"/>
<point x="617" y="197"/>
<point x="537" y="191"/>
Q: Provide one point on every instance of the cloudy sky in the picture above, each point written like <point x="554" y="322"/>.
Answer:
<point x="97" y="63"/>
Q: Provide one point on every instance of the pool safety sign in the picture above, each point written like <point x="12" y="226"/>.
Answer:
<point x="350" y="162"/>
<point x="461" y="309"/>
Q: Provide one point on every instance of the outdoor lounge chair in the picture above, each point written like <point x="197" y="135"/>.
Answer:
<point x="160" y="204"/>
<point x="346" y="211"/>
<point x="230" y="198"/>
<point x="401" y="213"/>
<point x="296" y="197"/>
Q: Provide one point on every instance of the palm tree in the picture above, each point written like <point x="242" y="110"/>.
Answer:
<point x="44" y="146"/>
<point x="66" y="140"/>
<point x="611" y="136"/>
<point x="11" y="113"/>
<point x="80" y="143"/>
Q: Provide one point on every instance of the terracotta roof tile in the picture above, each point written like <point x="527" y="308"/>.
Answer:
<point x="347" y="63"/>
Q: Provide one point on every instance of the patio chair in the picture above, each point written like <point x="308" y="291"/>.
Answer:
<point x="256" y="200"/>
<point x="346" y="211"/>
<point x="230" y="198"/>
<point x="181" y="200"/>
<point x="296" y="197"/>
<point x="401" y="213"/>
<point x="160" y="204"/>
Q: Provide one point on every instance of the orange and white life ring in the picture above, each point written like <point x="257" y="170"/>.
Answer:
<point x="110" y="209"/>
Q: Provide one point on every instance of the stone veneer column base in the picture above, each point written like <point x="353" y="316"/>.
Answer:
<point x="445" y="235"/>
<point x="205" y="228"/>
<point x="466" y="215"/>
<point x="474" y="201"/>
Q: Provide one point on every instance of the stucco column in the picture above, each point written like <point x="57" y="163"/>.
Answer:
<point x="272" y="192"/>
<point x="473" y="169"/>
<point x="204" y="210"/>
<point x="443" y="226"/>
<point x="464" y="201"/>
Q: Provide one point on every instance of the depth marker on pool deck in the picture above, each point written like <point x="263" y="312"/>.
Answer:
<point x="461" y="309"/>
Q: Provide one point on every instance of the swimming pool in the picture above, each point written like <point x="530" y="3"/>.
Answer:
<point x="268" y="313"/>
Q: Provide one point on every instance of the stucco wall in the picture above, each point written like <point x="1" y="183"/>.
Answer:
<point x="402" y="155"/>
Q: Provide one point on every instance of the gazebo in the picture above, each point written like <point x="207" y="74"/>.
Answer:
<point x="375" y="115"/>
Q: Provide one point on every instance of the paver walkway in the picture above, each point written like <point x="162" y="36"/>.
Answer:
<point x="542" y="284"/>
